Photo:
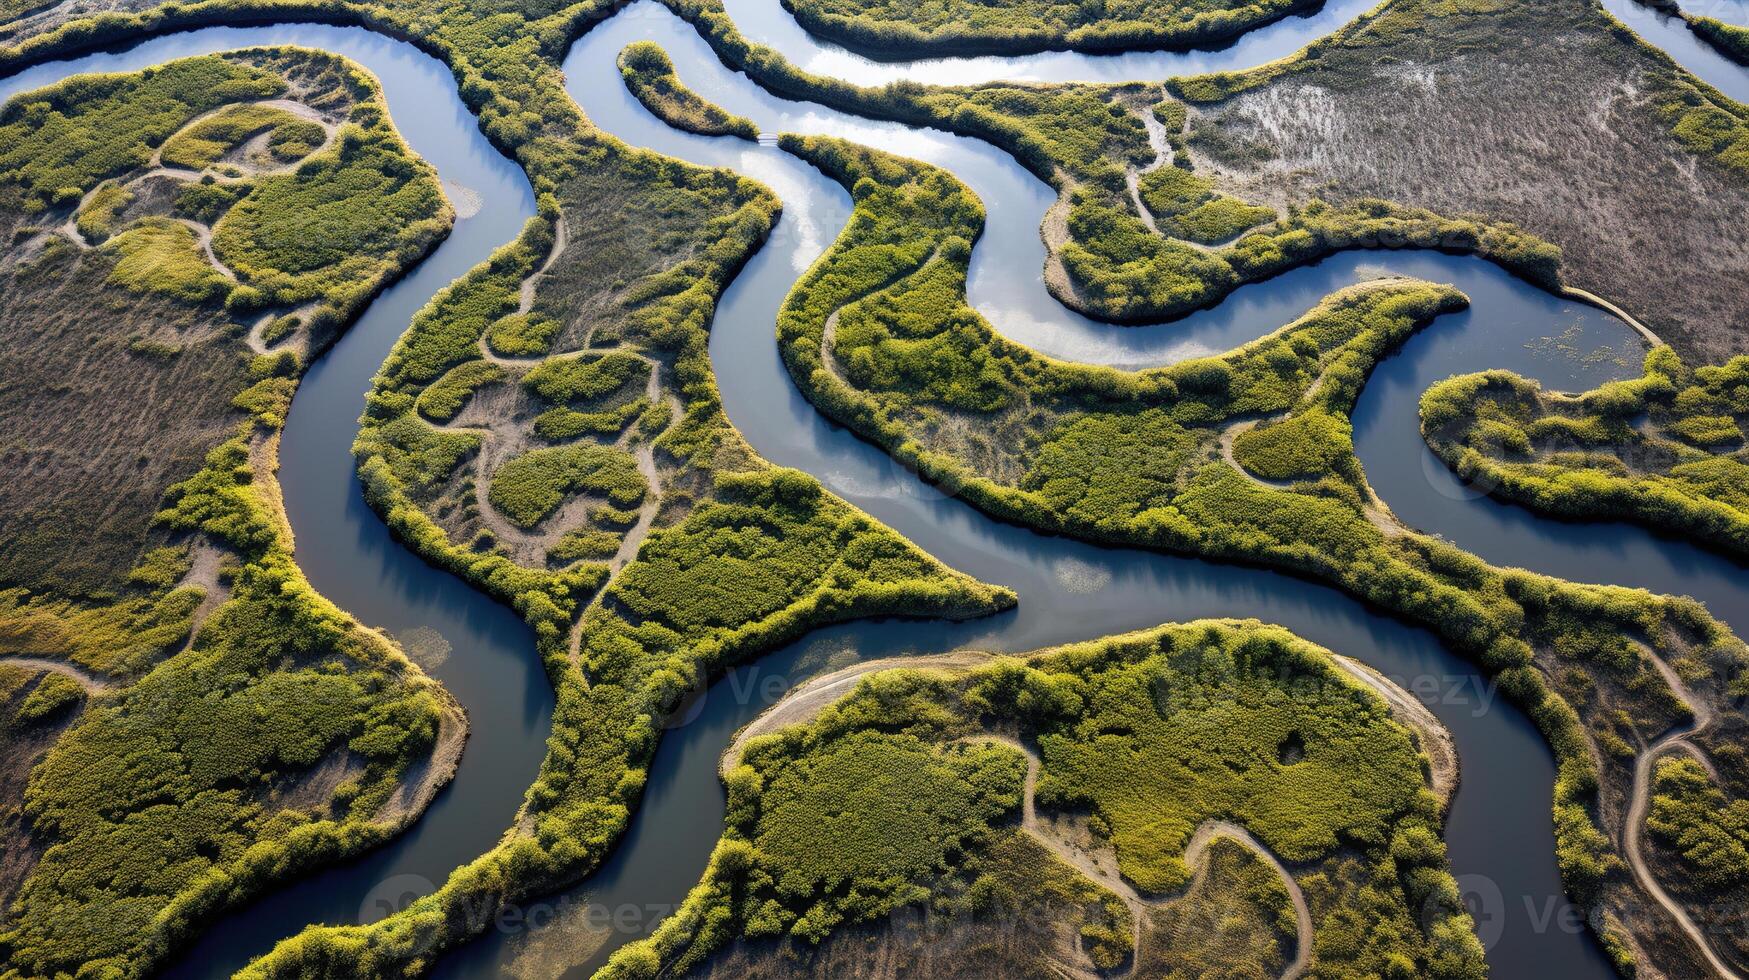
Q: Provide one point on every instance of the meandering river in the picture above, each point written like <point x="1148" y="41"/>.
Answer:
<point x="1501" y="841"/>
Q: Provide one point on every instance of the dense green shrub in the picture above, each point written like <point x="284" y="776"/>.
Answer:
<point x="443" y="400"/>
<point x="891" y="796"/>
<point x="530" y="487"/>
<point x="1730" y="39"/>
<point x="522" y="335"/>
<point x="1707" y="830"/>
<point x="1582" y="457"/>
<point x="649" y="76"/>
<point x="199" y="146"/>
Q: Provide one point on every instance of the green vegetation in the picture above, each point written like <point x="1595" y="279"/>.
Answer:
<point x="1708" y="831"/>
<point x="1303" y="447"/>
<point x="649" y="75"/>
<point x="53" y="695"/>
<point x="1132" y="458"/>
<point x="332" y="227"/>
<point x="1186" y="206"/>
<point x="96" y="218"/>
<point x="1665" y="449"/>
<point x="530" y="487"/>
<point x="199" y="146"/>
<point x="444" y="399"/>
<point x="520" y="335"/>
<point x="1700" y="836"/>
<point x="1235" y="921"/>
<point x="1730" y="39"/>
<point x="244" y="730"/>
<point x="947" y="27"/>
<point x="893" y="798"/>
<point x="164" y="256"/>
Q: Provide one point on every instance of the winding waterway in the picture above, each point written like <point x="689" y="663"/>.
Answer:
<point x="1501" y="841"/>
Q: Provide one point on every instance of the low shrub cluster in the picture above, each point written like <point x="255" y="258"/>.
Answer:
<point x="1187" y="206"/>
<point x="1666" y="449"/>
<point x="1730" y="39"/>
<point x="186" y="787"/>
<point x="199" y="146"/>
<point x="649" y="76"/>
<point x="530" y="487"/>
<point x="893" y="797"/>
<point x="1129" y="458"/>
<point x="888" y="28"/>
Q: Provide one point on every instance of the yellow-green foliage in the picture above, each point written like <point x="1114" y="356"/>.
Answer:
<point x="53" y="695"/>
<point x="861" y="811"/>
<point x="1236" y="921"/>
<point x="585" y="379"/>
<point x="650" y="77"/>
<point x="1186" y="206"/>
<point x="1708" y="832"/>
<point x="1305" y="446"/>
<point x="96" y="219"/>
<point x="201" y="144"/>
<point x="443" y="400"/>
<point x="1728" y="38"/>
<point x="59" y="142"/>
<point x="530" y="487"/>
<point x="336" y="225"/>
<point x="163" y="256"/>
<point x="522" y="335"/>
<point x="1583" y="457"/>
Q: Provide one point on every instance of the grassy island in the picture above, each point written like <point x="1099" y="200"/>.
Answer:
<point x="1665" y="449"/>
<point x="888" y="28"/>
<point x="1731" y="40"/>
<point x="649" y="75"/>
<point x="879" y="337"/>
<point x="1067" y="811"/>
<point x="189" y="723"/>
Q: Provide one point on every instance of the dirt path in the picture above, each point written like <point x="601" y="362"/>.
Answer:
<point x="1139" y="905"/>
<point x="203" y="234"/>
<point x="1679" y="738"/>
<point x="525" y="300"/>
<point x="90" y="682"/>
<point x="1408" y="709"/>
<point x="421" y="783"/>
<point x="805" y="703"/>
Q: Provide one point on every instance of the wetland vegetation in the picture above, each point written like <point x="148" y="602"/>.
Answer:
<point x="1665" y="449"/>
<point x="549" y="429"/>
<point x="201" y="724"/>
<point x="919" y="785"/>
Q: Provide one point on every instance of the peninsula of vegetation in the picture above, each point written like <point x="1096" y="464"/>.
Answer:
<point x="189" y="724"/>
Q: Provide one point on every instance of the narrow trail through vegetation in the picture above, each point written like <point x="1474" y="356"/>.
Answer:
<point x="91" y="683"/>
<point x="805" y="703"/>
<point x="1680" y="738"/>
